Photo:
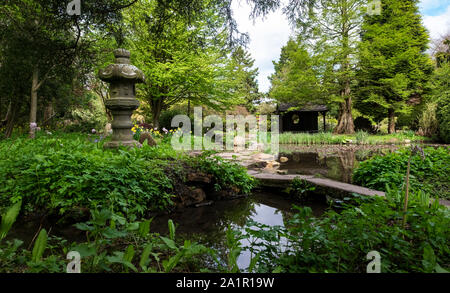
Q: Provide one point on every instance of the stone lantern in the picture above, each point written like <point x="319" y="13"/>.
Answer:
<point x="122" y="77"/>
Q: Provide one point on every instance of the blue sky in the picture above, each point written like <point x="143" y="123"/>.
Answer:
<point x="270" y="34"/>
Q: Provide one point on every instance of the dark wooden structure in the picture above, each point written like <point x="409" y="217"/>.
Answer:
<point x="304" y="119"/>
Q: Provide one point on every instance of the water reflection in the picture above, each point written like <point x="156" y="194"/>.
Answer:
<point x="334" y="162"/>
<point x="208" y="225"/>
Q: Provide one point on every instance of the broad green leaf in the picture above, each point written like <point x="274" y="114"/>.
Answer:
<point x="145" y="255"/>
<point x="9" y="218"/>
<point x="39" y="246"/>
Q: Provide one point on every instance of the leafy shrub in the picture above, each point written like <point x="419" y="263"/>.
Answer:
<point x="340" y="242"/>
<point x="113" y="244"/>
<point x="428" y="124"/>
<point x="60" y="173"/>
<point x="443" y="117"/>
<point x="361" y="137"/>
<point x="300" y="189"/>
<point x="430" y="175"/>
<point x="227" y="174"/>
<point x="165" y="120"/>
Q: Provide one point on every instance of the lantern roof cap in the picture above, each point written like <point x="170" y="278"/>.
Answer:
<point x="122" y="69"/>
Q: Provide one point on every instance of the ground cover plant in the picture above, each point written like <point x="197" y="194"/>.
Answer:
<point x="340" y="240"/>
<point x="429" y="174"/>
<point x="61" y="172"/>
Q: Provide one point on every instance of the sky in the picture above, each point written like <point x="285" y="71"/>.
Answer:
<point x="269" y="35"/>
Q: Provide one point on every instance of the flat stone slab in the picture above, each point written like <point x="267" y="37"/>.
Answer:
<point x="282" y="181"/>
<point x="276" y="180"/>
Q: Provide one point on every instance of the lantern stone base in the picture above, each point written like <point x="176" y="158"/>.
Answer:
<point x="116" y="144"/>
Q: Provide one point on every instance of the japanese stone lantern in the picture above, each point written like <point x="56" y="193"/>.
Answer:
<point x="122" y="77"/>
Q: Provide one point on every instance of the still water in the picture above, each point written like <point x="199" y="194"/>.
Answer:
<point x="208" y="225"/>
<point x="333" y="162"/>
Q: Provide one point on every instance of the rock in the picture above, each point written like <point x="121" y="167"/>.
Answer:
<point x="145" y="136"/>
<point x="282" y="172"/>
<point x="263" y="157"/>
<point x="198" y="195"/>
<point x="257" y="165"/>
<point x="239" y="141"/>
<point x="198" y="178"/>
<point x="271" y="167"/>
<point x="204" y="204"/>
<point x="284" y="159"/>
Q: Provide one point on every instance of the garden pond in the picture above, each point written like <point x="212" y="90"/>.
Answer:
<point x="335" y="162"/>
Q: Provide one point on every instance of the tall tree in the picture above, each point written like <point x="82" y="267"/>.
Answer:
<point x="244" y="77"/>
<point x="183" y="60"/>
<point x="394" y="68"/>
<point x="44" y="41"/>
<point x="297" y="77"/>
<point x="330" y="32"/>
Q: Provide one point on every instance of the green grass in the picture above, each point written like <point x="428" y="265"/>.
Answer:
<point x="328" y="138"/>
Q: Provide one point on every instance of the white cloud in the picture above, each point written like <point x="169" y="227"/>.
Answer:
<point x="438" y="25"/>
<point x="267" y="36"/>
<point x="433" y="7"/>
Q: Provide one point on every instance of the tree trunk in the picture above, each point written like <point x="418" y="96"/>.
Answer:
<point x="156" y="112"/>
<point x="11" y="120"/>
<point x="8" y="115"/>
<point x="33" y="103"/>
<point x="391" y="127"/>
<point x="189" y="108"/>
<point x="345" y="124"/>
<point x="49" y="113"/>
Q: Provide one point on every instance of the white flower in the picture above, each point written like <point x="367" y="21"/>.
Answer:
<point x="33" y="125"/>
<point x="94" y="131"/>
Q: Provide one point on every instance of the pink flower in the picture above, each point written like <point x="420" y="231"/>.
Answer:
<point x="94" y="131"/>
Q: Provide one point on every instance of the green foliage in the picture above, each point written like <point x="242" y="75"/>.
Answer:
<point x="165" y="120"/>
<point x="306" y="138"/>
<point x="339" y="242"/>
<point x="393" y="63"/>
<point x="113" y="244"/>
<point x="429" y="175"/>
<point x="59" y="174"/>
<point x="358" y="138"/>
<point x="185" y="59"/>
<point x="361" y="137"/>
<point x="428" y="124"/>
<point x="441" y="94"/>
<point x="65" y="173"/>
<point x="9" y="218"/>
<point x="227" y="174"/>
<point x="300" y="189"/>
<point x="296" y="76"/>
<point x="39" y="246"/>
<point x="443" y="116"/>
